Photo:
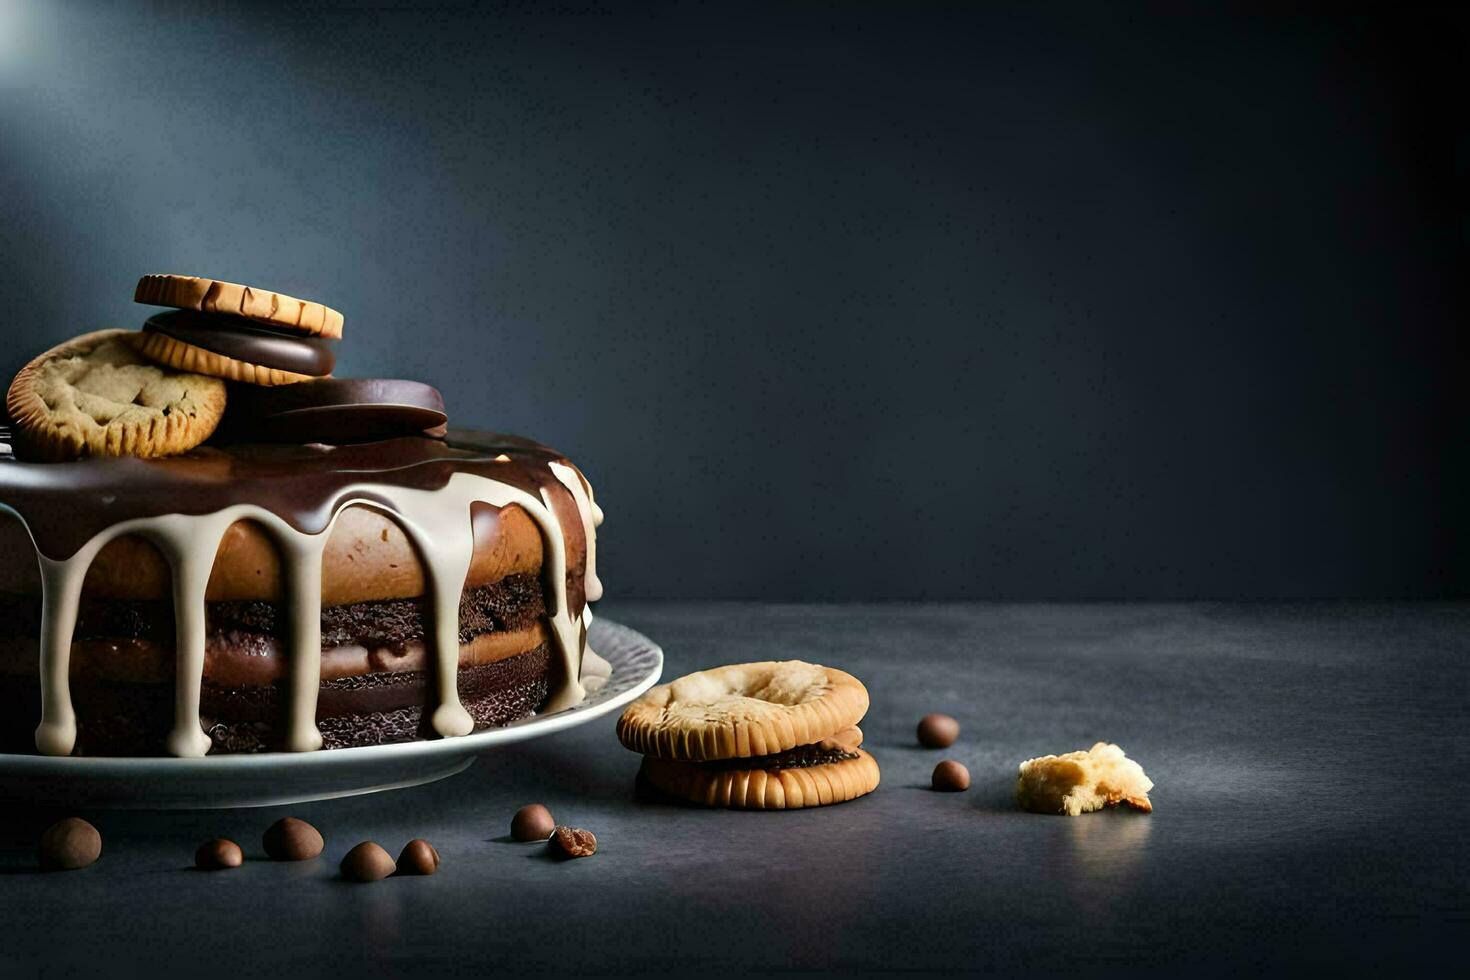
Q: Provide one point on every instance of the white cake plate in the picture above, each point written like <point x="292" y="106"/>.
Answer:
<point x="268" y="778"/>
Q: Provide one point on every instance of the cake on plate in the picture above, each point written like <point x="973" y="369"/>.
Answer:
<point x="208" y="544"/>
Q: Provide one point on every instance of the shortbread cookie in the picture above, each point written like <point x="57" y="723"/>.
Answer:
<point x="1080" y="782"/>
<point x="95" y="395"/>
<point x="797" y="778"/>
<point x="743" y="710"/>
<point x="214" y="296"/>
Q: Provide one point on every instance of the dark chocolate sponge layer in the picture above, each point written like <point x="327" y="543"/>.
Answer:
<point x="370" y="709"/>
<point x="513" y="603"/>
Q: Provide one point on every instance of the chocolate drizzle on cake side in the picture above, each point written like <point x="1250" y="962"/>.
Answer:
<point x="184" y="504"/>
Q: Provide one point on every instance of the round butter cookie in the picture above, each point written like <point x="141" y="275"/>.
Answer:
<point x="214" y="296"/>
<point x="743" y="710"/>
<point x="95" y="395"/>
<point x="853" y="774"/>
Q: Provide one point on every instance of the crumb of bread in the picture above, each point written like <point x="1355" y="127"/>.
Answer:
<point x="1080" y="782"/>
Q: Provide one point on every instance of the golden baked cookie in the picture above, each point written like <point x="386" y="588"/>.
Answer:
<point x="743" y="710"/>
<point x="1080" y="782"/>
<point x="186" y="357"/>
<point x="95" y="395"/>
<point x="262" y="305"/>
<point x="789" y="788"/>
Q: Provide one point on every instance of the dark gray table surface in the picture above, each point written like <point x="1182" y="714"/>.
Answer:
<point x="1311" y="768"/>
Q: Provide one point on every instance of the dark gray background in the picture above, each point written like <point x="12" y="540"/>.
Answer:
<point x="828" y="304"/>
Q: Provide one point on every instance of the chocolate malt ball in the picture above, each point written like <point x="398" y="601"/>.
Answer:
<point x="950" y="777"/>
<point x="69" y="844"/>
<point x="367" y="862"/>
<point x="218" y="854"/>
<point x="938" y="731"/>
<point x="419" y="857"/>
<point x="290" y="839"/>
<point x="532" y="822"/>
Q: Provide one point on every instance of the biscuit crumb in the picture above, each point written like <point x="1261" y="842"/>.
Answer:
<point x="1080" y="782"/>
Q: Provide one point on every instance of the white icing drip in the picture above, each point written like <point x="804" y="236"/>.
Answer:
<point x="582" y="493"/>
<point x="189" y="544"/>
<point x="595" y="670"/>
<point x="445" y="547"/>
<point x="302" y="554"/>
<point x="61" y="588"/>
<point x="437" y="521"/>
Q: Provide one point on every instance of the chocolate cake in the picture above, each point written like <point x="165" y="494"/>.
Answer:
<point x="175" y="604"/>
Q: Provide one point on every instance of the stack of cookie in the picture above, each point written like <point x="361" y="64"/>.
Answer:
<point x="226" y="330"/>
<point x="761" y="736"/>
<point x="164" y="389"/>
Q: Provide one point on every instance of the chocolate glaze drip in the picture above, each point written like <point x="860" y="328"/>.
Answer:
<point x="185" y="503"/>
<point x="64" y="505"/>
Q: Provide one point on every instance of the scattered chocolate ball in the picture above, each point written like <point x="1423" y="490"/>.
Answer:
<point x="218" y="854"/>
<point x="532" y="822"/>
<point x="572" y="842"/>
<point x="951" y="777"/>
<point x="419" y="857"/>
<point x="938" y="731"/>
<point x="69" y="844"/>
<point x="289" y="839"/>
<point x="367" y="862"/>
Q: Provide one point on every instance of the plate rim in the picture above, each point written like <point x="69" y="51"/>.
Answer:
<point x="438" y="749"/>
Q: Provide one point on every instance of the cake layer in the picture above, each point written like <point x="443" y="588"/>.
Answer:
<point x="132" y="640"/>
<point x="367" y="557"/>
<point x="133" y="719"/>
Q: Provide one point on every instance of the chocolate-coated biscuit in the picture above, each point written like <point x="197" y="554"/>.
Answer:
<point x="337" y="410"/>
<point x="214" y="296"/>
<point x="183" y="356"/>
<point x="743" y="710"/>
<point x="95" y="395"/>
<point x="247" y="341"/>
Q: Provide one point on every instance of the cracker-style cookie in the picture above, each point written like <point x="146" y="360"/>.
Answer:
<point x="214" y="296"/>
<point x="743" y="710"/>
<point x="95" y="395"/>
<point x="765" y="788"/>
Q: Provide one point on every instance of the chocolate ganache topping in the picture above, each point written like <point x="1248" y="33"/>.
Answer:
<point x="184" y="504"/>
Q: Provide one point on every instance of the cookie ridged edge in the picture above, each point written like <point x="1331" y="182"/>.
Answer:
<point x="39" y="437"/>
<point x="764" y="789"/>
<point x="643" y="728"/>
<point x="261" y="305"/>
<point x="184" y="356"/>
